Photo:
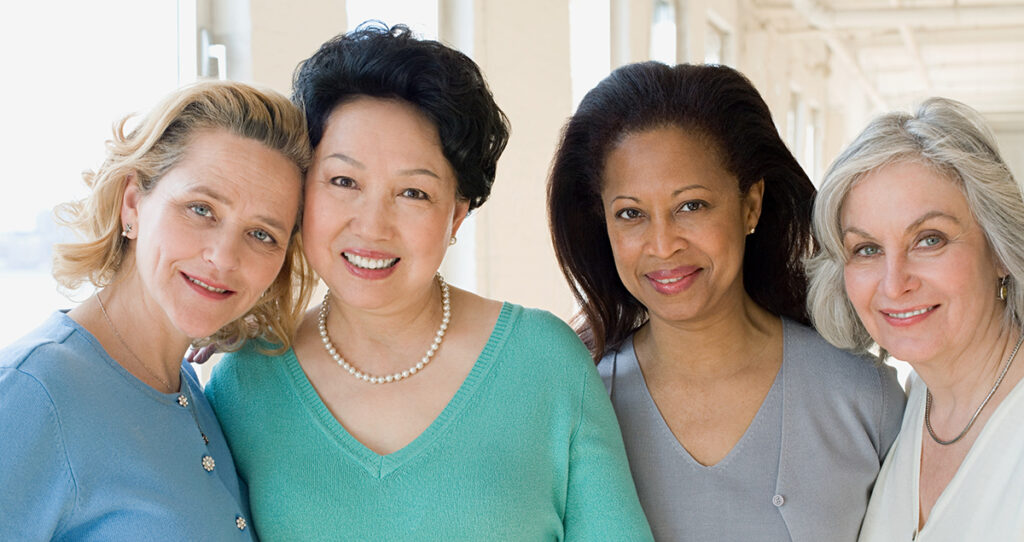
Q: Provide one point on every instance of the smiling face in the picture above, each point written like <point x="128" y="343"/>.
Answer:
<point x="919" y="271"/>
<point x="211" y="235"/>
<point x="677" y="223"/>
<point x="381" y="203"/>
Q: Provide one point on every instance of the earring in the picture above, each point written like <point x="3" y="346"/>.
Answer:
<point x="1004" y="287"/>
<point x="751" y="232"/>
<point x="452" y="241"/>
<point x="127" y="229"/>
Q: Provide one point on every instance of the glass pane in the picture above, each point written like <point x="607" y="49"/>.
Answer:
<point x="663" y="32"/>
<point x="65" y="83"/>
<point x="419" y="15"/>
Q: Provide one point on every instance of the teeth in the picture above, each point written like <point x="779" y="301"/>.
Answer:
<point x="668" y="281"/>
<point x="369" y="263"/>
<point x="908" y="314"/>
<point x="198" y="282"/>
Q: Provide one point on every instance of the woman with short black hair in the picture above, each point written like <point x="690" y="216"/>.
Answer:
<point x="410" y="409"/>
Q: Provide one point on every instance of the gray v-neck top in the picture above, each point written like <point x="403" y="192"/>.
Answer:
<point x="804" y="468"/>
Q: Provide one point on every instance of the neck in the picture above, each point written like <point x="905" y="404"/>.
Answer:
<point x="711" y="348"/>
<point x="386" y="340"/>
<point x="138" y="335"/>
<point x="960" y="380"/>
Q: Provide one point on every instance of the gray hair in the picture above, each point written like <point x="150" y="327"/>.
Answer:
<point x="953" y="140"/>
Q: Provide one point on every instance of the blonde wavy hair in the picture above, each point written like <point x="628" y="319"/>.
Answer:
<point x="953" y="140"/>
<point x="147" y="153"/>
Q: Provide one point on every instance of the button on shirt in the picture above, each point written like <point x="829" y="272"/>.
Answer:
<point x="83" y="437"/>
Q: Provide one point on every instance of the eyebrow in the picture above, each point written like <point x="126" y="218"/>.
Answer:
<point x="273" y="223"/>
<point x="405" y="172"/>
<point x="913" y="225"/>
<point x="674" y="193"/>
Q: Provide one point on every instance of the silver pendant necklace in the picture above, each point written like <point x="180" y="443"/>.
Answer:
<point x="928" y="401"/>
<point x="397" y="376"/>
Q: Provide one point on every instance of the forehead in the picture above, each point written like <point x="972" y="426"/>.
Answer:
<point x="904" y="190"/>
<point x="670" y="154"/>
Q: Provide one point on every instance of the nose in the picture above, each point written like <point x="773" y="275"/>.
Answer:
<point x="899" y="276"/>
<point x="665" y="237"/>
<point x="373" y="221"/>
<point x="223" y="250"/>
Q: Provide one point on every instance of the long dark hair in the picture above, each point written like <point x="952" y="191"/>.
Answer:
<point x="722" y="107"/>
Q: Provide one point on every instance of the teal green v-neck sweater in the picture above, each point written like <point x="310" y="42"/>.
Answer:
<point x="527" y="449"/>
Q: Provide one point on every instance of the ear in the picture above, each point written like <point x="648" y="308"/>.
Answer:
<point x="461" y="211"/>
<point x="130" y="206"/>
<point x="752" y="204"/>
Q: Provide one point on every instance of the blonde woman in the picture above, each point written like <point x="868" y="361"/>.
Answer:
<point x="188" y="233"/>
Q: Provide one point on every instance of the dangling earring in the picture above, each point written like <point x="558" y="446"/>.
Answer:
<point x="127" y="229"/>
<point x="1004" y="287"/>
<point x="452" y="241"/>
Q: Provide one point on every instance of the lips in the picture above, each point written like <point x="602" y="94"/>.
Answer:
<point x="207" y="287"/>
<point x="907" y="316"/>
<point x="369" y="264"/>
<point x="675" y="280"/>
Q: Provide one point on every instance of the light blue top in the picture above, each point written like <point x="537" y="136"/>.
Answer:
<point x="528" y="449"/>
<point x="91" y="453"/>
<point x="802" y="471"/>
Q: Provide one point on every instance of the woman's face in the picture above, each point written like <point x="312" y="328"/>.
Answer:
<point x="212" y="234"/>
<point x="677" y="223"/>
<point x="919" y="270"/>
<point x="381" y="203"/>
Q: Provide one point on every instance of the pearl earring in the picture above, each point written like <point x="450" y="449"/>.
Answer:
<point x="452" y="241"/>
<point x="127" y="229"/>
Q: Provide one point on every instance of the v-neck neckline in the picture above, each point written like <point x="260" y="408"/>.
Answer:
<point x="663" y="427"/>
<point x="380" y="466"/>
<point x="941" y="503"/>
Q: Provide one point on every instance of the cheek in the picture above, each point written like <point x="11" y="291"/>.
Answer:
<point x="860" y="287"/>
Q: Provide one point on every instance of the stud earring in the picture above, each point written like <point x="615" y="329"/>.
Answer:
<point x="127" y="229"/>
<point x="452" y="241"/>
<point x="1004" y="287"/>
<point x="751" y="232"/>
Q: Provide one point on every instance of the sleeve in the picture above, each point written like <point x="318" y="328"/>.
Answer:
<point x="602" y="503"/>
<point x="37" y="489"/>
<point x="893" y="403"/>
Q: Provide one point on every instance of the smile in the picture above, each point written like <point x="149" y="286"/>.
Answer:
<point x="667" y="281"/>
<point x="910" y="314"/>
<point x="369" y="263"/>
<point x="206" y="286"/>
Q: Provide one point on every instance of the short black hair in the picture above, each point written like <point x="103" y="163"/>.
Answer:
<point x="442" y="83"/>
<point x="718" y="105"/>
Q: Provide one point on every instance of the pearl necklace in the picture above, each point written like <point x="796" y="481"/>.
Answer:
<point x="394" y="377"/>
<point x="928" y="401"/>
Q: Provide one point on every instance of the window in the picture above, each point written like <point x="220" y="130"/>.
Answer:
<point x="65" y="86"/>
<point x="589" y="45"/>
<point x="418" y="15"/>
<point x="663" y="32"/>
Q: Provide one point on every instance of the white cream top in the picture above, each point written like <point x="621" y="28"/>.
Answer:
<point x="983" y="501"/>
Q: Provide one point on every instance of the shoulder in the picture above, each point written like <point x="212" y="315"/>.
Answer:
<point x="57" y="355"/>
<point x="251" y="369"/>
<point x="804" y="348"/>
<point x="540" y="328"/>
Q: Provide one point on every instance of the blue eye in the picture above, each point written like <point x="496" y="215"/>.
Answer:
<point x="343" y="182"/>
<point x="263" y="237"/>
<point x="867" y="250"/>
<point x="415" y="193"/>
<point x="201" y="209"/>
<point x="930" y="241"/>
<point x="629" y="213"/>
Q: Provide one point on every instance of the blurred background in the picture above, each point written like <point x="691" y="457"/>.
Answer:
<point x="825" y="67"/>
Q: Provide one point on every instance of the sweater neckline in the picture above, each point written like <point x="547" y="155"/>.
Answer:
<point x="379" y="465"/>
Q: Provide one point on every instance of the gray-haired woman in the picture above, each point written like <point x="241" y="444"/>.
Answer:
<point x="921" y="226"/>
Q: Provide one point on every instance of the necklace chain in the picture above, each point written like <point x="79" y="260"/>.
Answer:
<point x="184" y="399"/>
<point x="170" y="388"/>
<point x="928" y="400"/>
<point x="393" y="377"/>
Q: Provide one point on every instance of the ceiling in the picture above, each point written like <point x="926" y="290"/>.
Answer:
<point x="901" y="51"/>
